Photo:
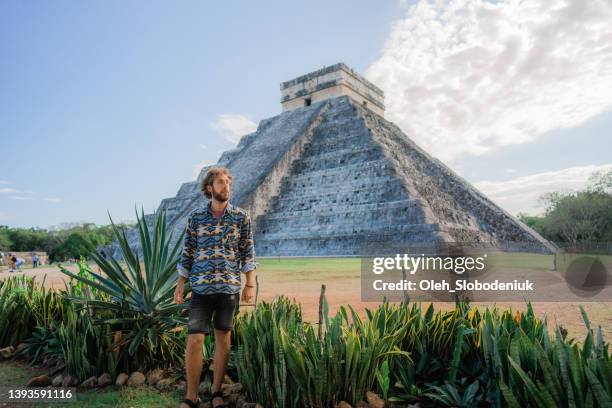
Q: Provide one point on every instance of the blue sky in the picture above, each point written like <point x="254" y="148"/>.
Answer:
<point x="107" y="105"/>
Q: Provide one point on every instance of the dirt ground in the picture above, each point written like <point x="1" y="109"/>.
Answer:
<point x="343" y="287"/>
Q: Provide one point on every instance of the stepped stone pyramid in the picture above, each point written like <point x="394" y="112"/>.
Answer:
<point x="331" y="176"/>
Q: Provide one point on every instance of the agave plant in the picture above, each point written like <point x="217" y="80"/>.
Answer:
<point x="139" y="293"/>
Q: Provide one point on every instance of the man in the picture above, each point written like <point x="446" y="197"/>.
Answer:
<point x="218" y="248"/>
<point x="12" y="262"/>
<point x="35" y="261"/>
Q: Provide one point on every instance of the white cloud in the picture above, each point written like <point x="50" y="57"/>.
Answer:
<point x="3" y="182"/>
<point x="470" y="76"/>
<point x="522" y="194"/>
<point x="203" y="146"/>
<point x="52" y="199"/>
<point x="19" y="198"/>
<point x="7" y="190"/>
<point x="233" y="126"/>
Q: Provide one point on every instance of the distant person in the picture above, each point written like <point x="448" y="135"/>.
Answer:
<point x="1" y="260"/>
<point x="12" y="262"/>
<point x="35" y="261"/>
<point x="18" y="263"/>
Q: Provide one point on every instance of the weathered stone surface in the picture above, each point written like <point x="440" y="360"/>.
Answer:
<point x="361" y="404"/>
<point x="104" y="380"/>
<point x="7" y="353"/>
<point x="374" y="401"/>
<point x="181" y="386"/>
<point x="39" y="381"/>
<point x="343" y="404"/>
<point x="122" y="379"/>
<point x="154" y="376"/>
<point x="240" y="401"/>
<point x="91" y="382"/>
<point x="136" y="379"/>
<point x="228" y="389"/>
<point x="70" y="381"/>
<point x="57" y="380"/>
<point x="165" y="383"/>
<point x="336" y="178"/>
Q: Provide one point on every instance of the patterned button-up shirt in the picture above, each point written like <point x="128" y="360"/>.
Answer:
<point x="216" y="251"/>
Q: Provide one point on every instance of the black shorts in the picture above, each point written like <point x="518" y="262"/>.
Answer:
<point x="202" y="308"/>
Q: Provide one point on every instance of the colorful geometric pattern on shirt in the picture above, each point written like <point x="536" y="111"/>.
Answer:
<point x="216" y="251"/>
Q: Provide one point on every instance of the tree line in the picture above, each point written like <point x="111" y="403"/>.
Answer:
<point x="60" y="243"/>
<point x="577" y="219"/>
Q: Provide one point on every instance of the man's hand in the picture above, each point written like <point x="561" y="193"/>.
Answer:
<point x="178" y="292"/>
<point x="248" y="293"/>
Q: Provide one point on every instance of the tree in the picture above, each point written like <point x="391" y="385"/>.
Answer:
<point x="582" y="217"/>
<point x="5" y="240"/>
<point x="601" y="182"/>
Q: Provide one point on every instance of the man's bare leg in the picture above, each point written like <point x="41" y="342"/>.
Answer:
<point x="223" y="346"/>
<point x="193" y="363"/>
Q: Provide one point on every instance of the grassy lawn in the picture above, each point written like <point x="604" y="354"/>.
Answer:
<point x="124" y="397"/>
<point x="309" y="269"/>
<point x="18" y="374"/>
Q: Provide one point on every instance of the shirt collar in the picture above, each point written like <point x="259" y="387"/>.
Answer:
<point x="228" y="208"/>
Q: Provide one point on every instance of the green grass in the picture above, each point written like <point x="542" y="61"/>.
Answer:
<point x="309" y="269"/>
<point x="124" y="397"/>
<point x="316" y="268"/>
<point x="17" y="375"/>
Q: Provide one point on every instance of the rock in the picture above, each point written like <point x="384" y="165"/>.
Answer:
<point x="57" y="380"/>
<point x="91" y="382"/>
<point x="136" y="379"/>
<point x="58" y="368"/>
<point x="251" y="405"/>
<point x="228" y="389"/>
<point x="40" y="381"/>
<point x="240" y="402"/>
<point x="154" y="376"/>
<point x="343" y="404"/>
<point x="232" y="398"/>
<point x="121" y="379"/>
<point x="49" y="361"/>
<point x="362" y="404"/>
<point x="104" y="380"/>
<point x="70" y="381"/>
<point x="181" y="386"/>
<point x="374" y="401"/>
<point x="7" y="353"/>
<point x="164" y="384"/>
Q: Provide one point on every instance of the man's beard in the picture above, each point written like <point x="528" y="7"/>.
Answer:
<point x="220" y="196"/>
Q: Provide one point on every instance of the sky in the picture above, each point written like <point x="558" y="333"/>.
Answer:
<point x="108" y="106"/>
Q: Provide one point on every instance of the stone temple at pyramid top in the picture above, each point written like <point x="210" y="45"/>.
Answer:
<point x="331" y="82"/>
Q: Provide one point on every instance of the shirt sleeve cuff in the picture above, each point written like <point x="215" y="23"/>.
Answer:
<point x="248" y="266"/>
<point x="182" y="271"/>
